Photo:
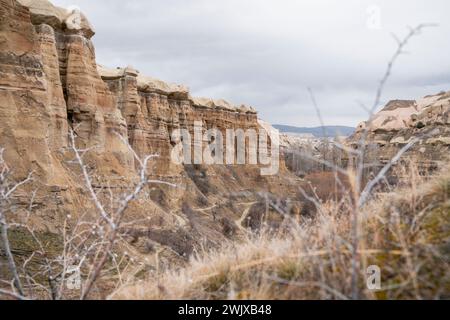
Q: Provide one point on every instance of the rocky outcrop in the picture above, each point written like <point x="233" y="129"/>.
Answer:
<point x="398" y="115"/>
<point x="400" y="121"/>
<point x="71" y="20"/>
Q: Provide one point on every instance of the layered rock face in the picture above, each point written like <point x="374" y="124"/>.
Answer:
<point x="50" y="71"/>
<point x="154" y="109"/>
<point x="50" y="83"/>
<point x="400" y="121"/>
<point x="48" y="67"/>
<point x="32" y="108"/>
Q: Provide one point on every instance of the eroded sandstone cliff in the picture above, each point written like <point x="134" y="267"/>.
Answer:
<point x="50" y="83"/>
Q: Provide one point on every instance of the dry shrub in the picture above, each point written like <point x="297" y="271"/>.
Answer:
<point x="406" y="233"/>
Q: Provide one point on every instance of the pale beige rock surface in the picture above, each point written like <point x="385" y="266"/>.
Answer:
<point x="404" y="114"/>
<point x="43" y="11"/>
<point x="400" y="121"/>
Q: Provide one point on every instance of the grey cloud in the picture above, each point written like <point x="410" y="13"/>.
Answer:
<point x="265" y="53"/>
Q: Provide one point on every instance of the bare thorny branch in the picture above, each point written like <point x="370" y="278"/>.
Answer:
<point x="114" y="219"/>
<point x="362" y="194"/>
<point x="401" y="44"/>
<point x="95" y="239"/>
<point x="7" y="189"/>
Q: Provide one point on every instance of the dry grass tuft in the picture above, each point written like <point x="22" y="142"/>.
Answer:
<point x="406" y="233"/>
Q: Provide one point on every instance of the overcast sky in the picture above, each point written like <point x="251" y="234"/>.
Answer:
<point x="266" y="53"/>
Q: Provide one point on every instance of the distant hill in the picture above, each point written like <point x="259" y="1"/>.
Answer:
<point x="331" y="131"/>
